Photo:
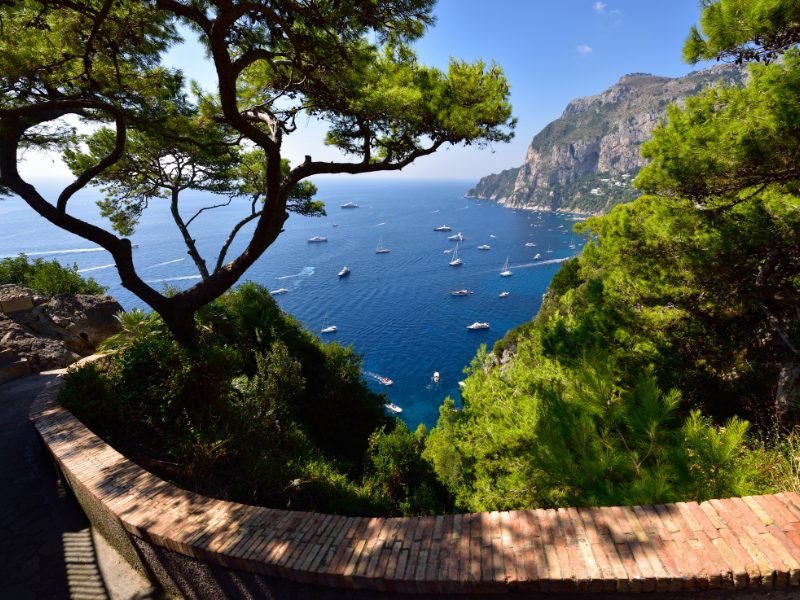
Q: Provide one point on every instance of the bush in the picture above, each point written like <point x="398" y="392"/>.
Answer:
<point x="260" y="411"/>
<point x="47" y="277"/>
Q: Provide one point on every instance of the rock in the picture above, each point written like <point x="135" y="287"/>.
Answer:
<point x="55" y="332"/>
<point x="586" y="160"/>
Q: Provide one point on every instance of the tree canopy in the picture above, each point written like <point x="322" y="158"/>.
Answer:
<point x="347" y="62"/>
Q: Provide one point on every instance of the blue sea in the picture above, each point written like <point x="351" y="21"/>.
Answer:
<point x="395" y="309"/>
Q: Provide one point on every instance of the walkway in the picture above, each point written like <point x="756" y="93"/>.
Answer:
<point x="47" y="549"/>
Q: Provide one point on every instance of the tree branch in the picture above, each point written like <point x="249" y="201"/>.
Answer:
<point x="92" y="172"/>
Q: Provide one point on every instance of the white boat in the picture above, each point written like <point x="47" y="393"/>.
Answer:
<point x="328" y="328"/>
<point x="344" y="272"/>
<point x="505" y="294"/>
<point x="455" y="261"/>
<point x="461" y="292"/>
<point x="491" y="235"/>
<point x="381" y="249"/>
<point x="571" y="243"/>
<point x="391" y="406"/>
<point x="435" y="377"/>
<point x="384" y="380"/>
<point x="506" y="272"/>
<point x="317" y="239"/>
<point x="530" y="244"/>
<point x="537" y="256"/>
<point x="349" y="205"/>
<point x="459" y="237"/>
<point x="278" y="292"/>
<point x="484" y="247"/>
<point x="442" y="228"/>
<point x="478" y="325"/>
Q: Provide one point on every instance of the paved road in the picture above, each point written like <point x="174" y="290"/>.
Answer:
<point x="47" y="549"/>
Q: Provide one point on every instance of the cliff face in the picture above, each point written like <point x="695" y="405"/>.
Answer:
<point x="585" y="160"/>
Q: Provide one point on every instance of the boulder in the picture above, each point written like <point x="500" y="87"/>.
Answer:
<point x="55" y="332"/>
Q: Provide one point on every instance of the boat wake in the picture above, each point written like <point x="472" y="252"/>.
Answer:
<point x="168" y="279"/>
<point x="167" y="262"/>
<point x="304" y="272"/>
<point x="100" y="268"/>
<point x="539" y="263"/>
<point x="49" y="252"/>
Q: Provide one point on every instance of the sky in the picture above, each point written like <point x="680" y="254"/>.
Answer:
<point x="550" y="51"/>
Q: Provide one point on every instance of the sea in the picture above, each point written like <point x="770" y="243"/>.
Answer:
<point x="395" y="308"/>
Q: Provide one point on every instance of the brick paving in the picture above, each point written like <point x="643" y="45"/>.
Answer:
<point x="733" y="545"/>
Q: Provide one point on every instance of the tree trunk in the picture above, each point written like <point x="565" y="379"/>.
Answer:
<point x="180" y="321"/>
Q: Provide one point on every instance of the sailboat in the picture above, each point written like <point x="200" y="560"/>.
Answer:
<point x="381" y="249"/>
<point x="455" y="261"/>
<point x="506" y="272"/>
<point x="571" y="243"/>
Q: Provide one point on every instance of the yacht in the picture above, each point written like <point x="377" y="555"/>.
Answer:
<point x="537" y="256"/>
<point x="459" y="237"/>
<point x="460" y="292"/>
<point x="278" y="292"/>
<point x="344" y="272"/>
<point x="484" y="247"/>
<point x="455" y="261"/>
<point x="506" y="272"/>
<point x="381" y="249"/>
<point x="391" y="406"/>
<point x="349" y="205"/>
<point x="442" y="228"/>
<point x="317" y="239"/>
<point x="530" y="244"/>
<point x="505" y="294"/>
<point x="478" y="325"/>
<point x="329" y="329"/>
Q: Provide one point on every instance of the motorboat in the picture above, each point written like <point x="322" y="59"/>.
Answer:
<point x="459" y="237"/>
<point x="455" y="261"/>
<point x="279" y="291"/>
<point x="478" y="325"/>
<point x="505" y="294"/>
<point x="344" y="272"/>
<point x="329" y="329"/>
<point x="384" y="380"/>
<point x="435" y="377"/>
<point x="530" y="244"/>
<point x="460" y="292"/>
<point x="537" y="256"/>
<point x="349" y="205"/>
<point x="442" y="228"/>
<point x="317" y="239"/>
<point x="391" y="406"/>
<point x="484" y="247"/>
<point x="506" y="272"/>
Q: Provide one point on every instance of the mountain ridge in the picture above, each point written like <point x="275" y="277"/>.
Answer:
<point x="585" y="160"/>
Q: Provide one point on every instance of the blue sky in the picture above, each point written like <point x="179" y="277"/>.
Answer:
<point x="551" y="51"/>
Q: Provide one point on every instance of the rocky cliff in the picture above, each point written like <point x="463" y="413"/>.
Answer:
<point x="48" y="332"/>
<point x="585" y="160"/>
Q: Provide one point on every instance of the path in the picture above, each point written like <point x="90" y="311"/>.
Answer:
<point x="47" y="549"/>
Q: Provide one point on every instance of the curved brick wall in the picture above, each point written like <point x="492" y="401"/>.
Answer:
<point x="731" y="543"/>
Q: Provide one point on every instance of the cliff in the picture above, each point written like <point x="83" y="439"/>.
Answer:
<point x="585" y="161"/>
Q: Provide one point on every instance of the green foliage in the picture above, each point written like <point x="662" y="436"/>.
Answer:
<point x="744" y="30"/>
<point x="259" y="411"/>
<point x="46" y="277"/>
<point x="399" y="473"/>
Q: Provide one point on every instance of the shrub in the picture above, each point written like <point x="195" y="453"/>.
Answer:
<point x="47" y="277"/>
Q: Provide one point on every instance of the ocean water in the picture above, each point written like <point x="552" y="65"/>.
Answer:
<point x="395" y="309"/>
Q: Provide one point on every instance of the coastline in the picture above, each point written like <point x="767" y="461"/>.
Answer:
<point x="536" y="208"/>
